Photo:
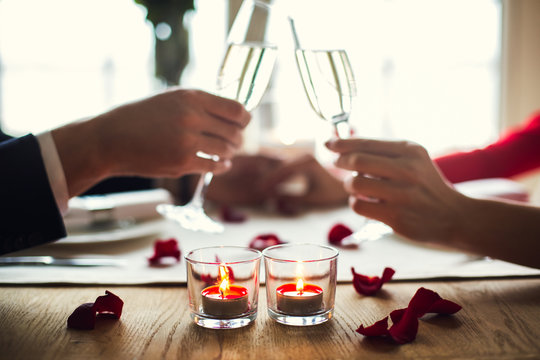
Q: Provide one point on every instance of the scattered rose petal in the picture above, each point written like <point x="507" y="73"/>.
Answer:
<point x="208" y="279"/>
<point x="405" y="321"/>
<point x="396" y="315"/>
<point x="380" y="328"/>
<point x="405" y="327"/>
<point x="84" y="316"/>
<point x="109" y="304"/>
<point x="337" y="233"/>
<point x="231" y="215"/>
<point x="369" y="285"/>
<point x="163" y="249"/>
<point x="261" y="242"/>
<point x="444" y="307"/>
<point x="422" y="300"/>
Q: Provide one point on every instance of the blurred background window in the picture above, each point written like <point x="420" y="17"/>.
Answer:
<point x="426" y="70"/>
<point x="63" y="60"/>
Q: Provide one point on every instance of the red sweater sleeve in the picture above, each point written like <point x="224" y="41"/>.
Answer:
<point x="516" y="152"/>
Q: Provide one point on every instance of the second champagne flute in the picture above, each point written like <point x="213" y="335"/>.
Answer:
<point x="244" y="75"/>
<point x="330" y="87"/>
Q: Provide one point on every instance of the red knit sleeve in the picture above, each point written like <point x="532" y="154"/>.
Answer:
<point x="516" y="152"/>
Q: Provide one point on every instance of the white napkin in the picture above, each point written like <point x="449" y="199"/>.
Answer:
<point x="133" y="206"/>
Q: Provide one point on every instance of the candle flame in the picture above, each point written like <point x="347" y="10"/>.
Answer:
<point x="300" y="286"/>
<point x="223" y="272"/>
<point x="224" y="281"/>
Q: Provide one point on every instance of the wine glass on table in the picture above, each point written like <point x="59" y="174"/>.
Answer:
<point x="244" y="75"/>
<point x="330" y="86"/>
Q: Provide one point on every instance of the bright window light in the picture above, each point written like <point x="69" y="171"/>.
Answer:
<point x="66" y="59"/>
<point x="426" y="70"/>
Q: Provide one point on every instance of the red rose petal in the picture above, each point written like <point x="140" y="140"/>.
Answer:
<point x="109" y="304"/>
<point x="337" y="233"/>
<point x="369" y="285"/>
<point x="422" y="300"/>
<point x="207" y="279"/>
<point x="83" y="317"/>
<point x="388" y="272"/>
<point x="404" y="330"/>
<point x="231" y="215"/>
<point x="405" y="321"/>
<point x="165" y="248"/>
<point x="396" y="315"/>
<point x="444" y="307"/>
<point x="380" y="328"/>
<point x="261" y="242"/>
<point x="428" y="301"/>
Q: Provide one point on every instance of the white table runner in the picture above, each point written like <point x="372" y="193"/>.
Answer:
<point x="410" y="260"/>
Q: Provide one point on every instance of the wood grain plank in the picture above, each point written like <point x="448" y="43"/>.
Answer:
<point x="499" y="320"/>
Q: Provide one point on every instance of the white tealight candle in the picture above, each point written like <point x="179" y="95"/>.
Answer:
<point x="299" y="299"/>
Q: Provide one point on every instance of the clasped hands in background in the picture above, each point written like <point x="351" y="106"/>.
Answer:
<point x="284" y="184"/>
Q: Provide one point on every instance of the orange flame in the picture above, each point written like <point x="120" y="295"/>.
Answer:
<point x="300" y="286"/>
<point x="224" y="278"/>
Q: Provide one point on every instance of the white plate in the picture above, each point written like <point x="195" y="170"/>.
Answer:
<point x="118" y="234"/>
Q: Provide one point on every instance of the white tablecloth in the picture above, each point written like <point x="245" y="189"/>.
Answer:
<point x="410" y="260"/>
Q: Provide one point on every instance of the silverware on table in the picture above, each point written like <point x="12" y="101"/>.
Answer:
<point x="49" y="260"/>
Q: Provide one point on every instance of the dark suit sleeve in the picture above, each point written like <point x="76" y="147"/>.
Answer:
<point x="29" y="215"/>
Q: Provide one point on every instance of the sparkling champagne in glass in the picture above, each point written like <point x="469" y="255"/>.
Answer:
<point x="329" y="84"/>
<point x="245" y="72"/>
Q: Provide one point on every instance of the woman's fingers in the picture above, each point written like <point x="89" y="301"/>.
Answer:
<point x="380" y="211"/>
<point x="401" y="161"/>
<point x="369" y="188"/>
<point x="364" y="163"/>
<point x="390" y="149"/>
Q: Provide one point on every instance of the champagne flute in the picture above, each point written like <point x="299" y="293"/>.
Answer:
<point x="330" y="86"/>
<point x="244" y="75"/>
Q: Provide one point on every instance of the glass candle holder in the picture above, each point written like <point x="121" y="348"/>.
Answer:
<point x="300" y="283"/>
<point x="223" y="286"/>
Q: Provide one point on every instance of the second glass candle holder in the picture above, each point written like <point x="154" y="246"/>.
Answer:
<point x="223" y="286"/>
<point x="300" y="283"/>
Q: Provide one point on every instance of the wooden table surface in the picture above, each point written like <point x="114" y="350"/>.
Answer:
<point x="500" y="319"/>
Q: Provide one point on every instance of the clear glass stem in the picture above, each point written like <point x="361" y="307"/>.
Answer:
<point x="343" y="129"/>
<point x="198" y="196"/>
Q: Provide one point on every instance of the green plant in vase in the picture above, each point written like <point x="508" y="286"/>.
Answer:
<point x="172" y="40"/>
